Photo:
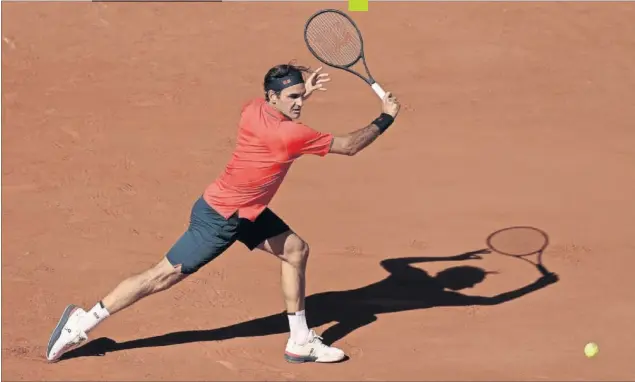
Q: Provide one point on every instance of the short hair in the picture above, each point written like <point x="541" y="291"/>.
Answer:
<point x="280" y="71"/>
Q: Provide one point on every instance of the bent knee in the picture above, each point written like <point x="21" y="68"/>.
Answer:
<point x="296" y="251"/>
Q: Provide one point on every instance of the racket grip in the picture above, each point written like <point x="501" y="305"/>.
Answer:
<point x="378" y="90"/>
<point x="542" y="269"/>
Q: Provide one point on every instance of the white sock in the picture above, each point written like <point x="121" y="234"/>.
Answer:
<point x="96" y="315"/>
<point x="298" y="326"/>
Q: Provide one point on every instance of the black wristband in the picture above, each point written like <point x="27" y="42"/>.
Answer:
<point x="383" y="122"/>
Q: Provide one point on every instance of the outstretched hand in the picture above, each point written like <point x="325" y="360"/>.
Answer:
<point x="316" y="82"/>
<point x="474" y="255"/>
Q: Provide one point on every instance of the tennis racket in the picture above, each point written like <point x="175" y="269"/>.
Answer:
<point x="334" y="39"/>
<point x="520" y="242"/>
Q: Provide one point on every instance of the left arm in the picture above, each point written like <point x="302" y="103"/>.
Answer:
<point x="391" y="265"/>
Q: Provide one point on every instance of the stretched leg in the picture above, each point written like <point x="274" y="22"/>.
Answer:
<point x="73" y="328"/>
<point x="208" y="236"/>
<point x="269" y="233"/>
<point x="156" y="279"/>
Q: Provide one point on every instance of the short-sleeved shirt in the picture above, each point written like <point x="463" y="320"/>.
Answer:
<point x="267" y="144"/>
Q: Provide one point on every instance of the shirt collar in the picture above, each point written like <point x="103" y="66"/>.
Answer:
<point x="269" y="109"/>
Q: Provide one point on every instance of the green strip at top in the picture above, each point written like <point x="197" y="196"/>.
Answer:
<point x="358" y="5"/>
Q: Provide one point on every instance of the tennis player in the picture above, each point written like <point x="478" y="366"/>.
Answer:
<point x="234" y="208"/>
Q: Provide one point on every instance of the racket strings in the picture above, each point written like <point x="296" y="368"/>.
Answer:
<point x="334" y="39"/>
<point x="518" y="241"/>
<point x="328" y="36"/>
<point x="333" y="44"/>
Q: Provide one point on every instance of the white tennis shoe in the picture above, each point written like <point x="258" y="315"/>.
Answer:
<point x="67" y="335"/>
<point x="313" y="350"/>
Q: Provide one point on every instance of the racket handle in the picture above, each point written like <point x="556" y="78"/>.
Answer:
<point x="378" y="90"/>
<point x="542" y="269"/>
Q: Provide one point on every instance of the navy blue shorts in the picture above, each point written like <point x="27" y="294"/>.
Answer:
<point x="210" y="234"/>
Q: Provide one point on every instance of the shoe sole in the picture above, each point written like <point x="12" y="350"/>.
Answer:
<point x="57" y="332"/>
<point x="296" y="359"/>
<point x="299" y="359"/>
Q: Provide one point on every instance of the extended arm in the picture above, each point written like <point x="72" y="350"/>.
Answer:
<point x="542" y="282"/>
<point x="354" y="142"/>
<point x="393" y="265"/>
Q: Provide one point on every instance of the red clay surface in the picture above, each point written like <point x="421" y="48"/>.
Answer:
<point x="116" y="116"/>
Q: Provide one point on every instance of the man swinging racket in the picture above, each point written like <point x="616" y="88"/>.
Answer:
<point x="234" y="208"/>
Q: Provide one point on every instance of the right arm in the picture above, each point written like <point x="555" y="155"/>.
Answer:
<point x="354" y="142"/>
<point x="542" y="282"/>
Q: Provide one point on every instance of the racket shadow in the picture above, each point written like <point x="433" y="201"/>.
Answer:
<point x="526" y="243"/>
<point x="405" y="288"/>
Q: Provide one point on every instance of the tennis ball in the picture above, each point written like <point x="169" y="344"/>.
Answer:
<point x="591" y="349"/>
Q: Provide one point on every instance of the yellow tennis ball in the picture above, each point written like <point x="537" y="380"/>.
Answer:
<point x="591" y="349"/>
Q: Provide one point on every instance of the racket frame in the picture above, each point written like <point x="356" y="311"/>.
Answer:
<point x="369" y="80"/>
<point x="539" y="251"/>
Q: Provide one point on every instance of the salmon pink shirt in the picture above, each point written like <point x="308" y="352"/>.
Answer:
<point x="267" y="144"/>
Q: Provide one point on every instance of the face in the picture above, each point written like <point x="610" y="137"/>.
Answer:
<point x="290" y="100"/>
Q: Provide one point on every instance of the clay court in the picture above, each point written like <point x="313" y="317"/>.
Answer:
<point x="117" y="115"/>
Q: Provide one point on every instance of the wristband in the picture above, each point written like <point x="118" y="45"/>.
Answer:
<point x="383" y="122"/>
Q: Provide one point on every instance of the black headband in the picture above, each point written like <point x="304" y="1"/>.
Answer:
<point x="293" y="78"/>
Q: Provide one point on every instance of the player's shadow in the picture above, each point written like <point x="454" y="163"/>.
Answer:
<point x="405" y="288"/>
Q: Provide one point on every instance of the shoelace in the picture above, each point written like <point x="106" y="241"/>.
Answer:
<point x="318" y="341"/>
<point x="79" y="337"/>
